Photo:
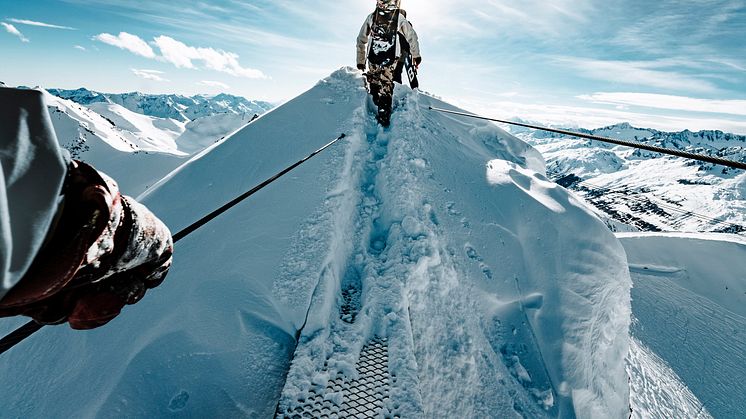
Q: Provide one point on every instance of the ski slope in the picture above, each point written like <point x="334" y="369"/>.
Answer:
<point x="689" y="305"/>
<point x="498" y="293"/>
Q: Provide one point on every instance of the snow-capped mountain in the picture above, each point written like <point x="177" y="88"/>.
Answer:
<point x="709" y="142"/>
<point x="177" y="107"/>
<point x="646" y="190"/>
<point x="134" y="148"/>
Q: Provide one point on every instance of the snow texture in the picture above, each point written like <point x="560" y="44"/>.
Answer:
<point x="500" y="294"/>
<point x="656" y="390"/>
<point x="689" y="304"/>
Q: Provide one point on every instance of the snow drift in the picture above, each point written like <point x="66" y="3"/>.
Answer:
<point x="499" y="292"/>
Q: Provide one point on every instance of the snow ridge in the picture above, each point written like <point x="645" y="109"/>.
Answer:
<point x="405" y="279"/>
<point x="355" y="279"/>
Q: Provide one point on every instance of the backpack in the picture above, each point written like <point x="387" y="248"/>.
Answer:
<point x="384" y="37"/>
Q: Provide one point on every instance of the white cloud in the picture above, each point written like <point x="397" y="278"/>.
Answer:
<point x="640" y="73"/>
<point x="153" y="75"/>
<point x="679" y="103"/>
<point x="735" y="65"/>
<point x="669" y="29"/>
<point x="40" y="24"/>
<point x="129" y="42"/>
<point x="505" y="18"/>
<point x="80" y="47"/>
<point x="13" y="31"/>
<point x="184" y="56"/>
<point x="175" y="52"/>
<point x="217" y="84"/>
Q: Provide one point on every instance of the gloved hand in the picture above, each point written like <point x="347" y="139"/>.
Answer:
<point x="103" y="253"/>
<point x="417" y="61"/>
<point x="361" y="67"/>
<point x="140" y="261"/>
<point x="91" y="305"/>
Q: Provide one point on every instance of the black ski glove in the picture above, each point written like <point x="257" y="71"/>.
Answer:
<point x="361" y="67"/>
<point x="417" y="61"/>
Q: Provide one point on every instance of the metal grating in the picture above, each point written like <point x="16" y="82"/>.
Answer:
<point x="365" y="397"/>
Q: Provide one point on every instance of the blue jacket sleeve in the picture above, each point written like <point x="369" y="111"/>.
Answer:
<point x="32" y="172"/>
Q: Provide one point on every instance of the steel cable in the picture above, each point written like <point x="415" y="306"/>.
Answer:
<point x="662" y="150"/>
<point x="32" y="327"/>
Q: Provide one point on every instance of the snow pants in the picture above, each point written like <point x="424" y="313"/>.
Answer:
<point x="381" y="82"/>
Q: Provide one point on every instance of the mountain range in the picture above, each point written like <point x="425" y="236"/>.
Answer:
<point x="138" y="138"/>
<point x="708" y="142"/>
<point x="685" y="196"/>
<point x="177" y="107"/>
<point x="648" y="191"/>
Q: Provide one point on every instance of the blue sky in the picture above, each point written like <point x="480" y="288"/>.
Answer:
<point x="668" y="64"/>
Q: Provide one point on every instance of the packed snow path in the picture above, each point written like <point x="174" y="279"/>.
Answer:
<point x="392" y="266"/>
<point x="366" y="284"/>
<point x="496" y="291"/>
<point x="404" y="281"/>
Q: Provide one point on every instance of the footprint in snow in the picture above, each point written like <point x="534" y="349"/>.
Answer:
<point x="179" y="401"/>
<point x="472" y="253"/>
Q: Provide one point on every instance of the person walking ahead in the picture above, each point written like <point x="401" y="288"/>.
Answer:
<point x="380" y="30"/>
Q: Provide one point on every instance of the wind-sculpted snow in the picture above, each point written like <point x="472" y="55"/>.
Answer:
<point x="554" y="302"/>
<point x="499" y="294"/>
